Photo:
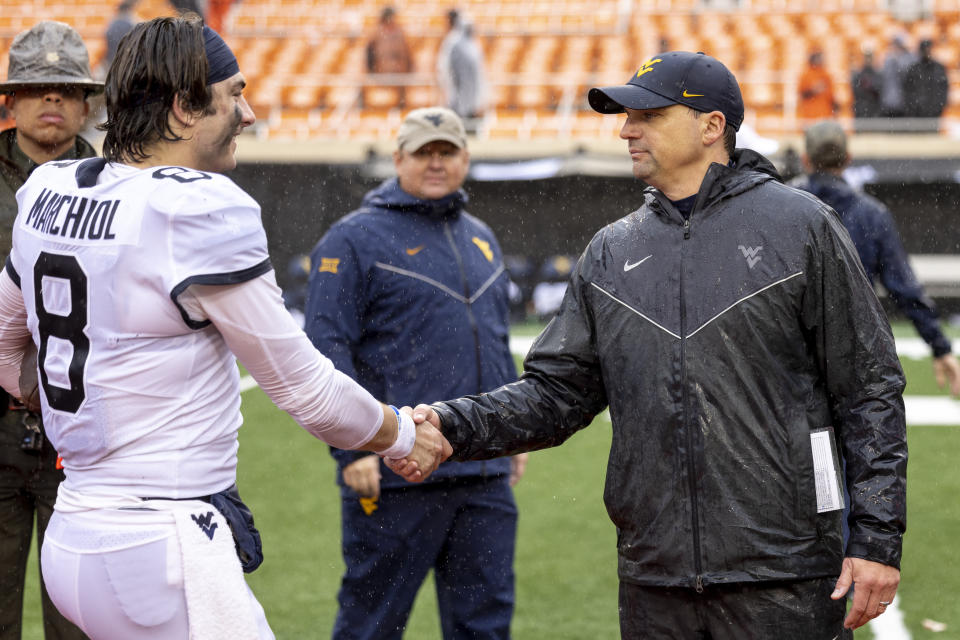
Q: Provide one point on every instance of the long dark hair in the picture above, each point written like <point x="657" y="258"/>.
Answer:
<point x="155" y="62"/>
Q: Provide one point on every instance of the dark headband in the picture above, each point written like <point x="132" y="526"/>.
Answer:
<point x="220" y="59"/>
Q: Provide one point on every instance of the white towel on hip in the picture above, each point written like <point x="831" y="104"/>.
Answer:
<point x="219" y="603"/>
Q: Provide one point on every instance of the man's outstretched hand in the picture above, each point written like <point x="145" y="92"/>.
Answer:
<point x="429" y="450"/>
<point x="425" y="413"/>
<point x="874" y="586"/>
<point x="947" y="372"/>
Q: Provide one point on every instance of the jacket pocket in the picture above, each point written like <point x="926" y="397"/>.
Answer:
<point x="805" y="498"/>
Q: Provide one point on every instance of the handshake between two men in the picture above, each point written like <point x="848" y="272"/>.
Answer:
<point x="430" y="449"/>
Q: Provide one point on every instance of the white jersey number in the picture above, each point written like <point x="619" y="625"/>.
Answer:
<point x="69" y="327"/>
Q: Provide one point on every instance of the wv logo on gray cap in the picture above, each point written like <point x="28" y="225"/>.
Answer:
<point x="435" y="118"/>
<point x="752" y="254"/>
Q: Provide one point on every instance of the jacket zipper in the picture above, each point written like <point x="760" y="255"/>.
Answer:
<point x="691" y="478"/>
<point x="466" y="294"/>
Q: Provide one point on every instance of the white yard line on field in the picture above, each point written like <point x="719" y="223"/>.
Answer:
<point x="890" y="626"/>
<point x="913" y="348"/>
<point x="932" y="411"/>
<point x="921" y="410"/>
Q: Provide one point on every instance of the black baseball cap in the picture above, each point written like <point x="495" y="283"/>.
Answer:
<point x="696" y="80"/>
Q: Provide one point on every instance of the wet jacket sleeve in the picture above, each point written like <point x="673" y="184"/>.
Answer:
<point x="333" y="309"/>
<point x="852" y="342"/>
<point x="559" y="393"/>
<point x="901" y="283"/>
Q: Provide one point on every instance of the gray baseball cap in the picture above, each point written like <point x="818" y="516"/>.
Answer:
<point x="429" y="124"/>
<point x="49" y="53"/>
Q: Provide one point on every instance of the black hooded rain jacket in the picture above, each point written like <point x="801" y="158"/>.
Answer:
<point x="719" y="344"/>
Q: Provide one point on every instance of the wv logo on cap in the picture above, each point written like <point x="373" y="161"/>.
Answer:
<point x="435" y="118"/>
<point x="647" y="66"/>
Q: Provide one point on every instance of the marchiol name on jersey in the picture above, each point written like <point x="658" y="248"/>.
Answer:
<point x="72" y="216"/>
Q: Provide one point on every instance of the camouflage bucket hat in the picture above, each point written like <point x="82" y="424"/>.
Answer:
<point x="49" y="53"/>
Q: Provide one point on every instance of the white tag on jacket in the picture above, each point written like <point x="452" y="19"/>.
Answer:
<point x="826" y="470"/>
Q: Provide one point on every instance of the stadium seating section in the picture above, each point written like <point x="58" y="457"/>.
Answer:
<point x="304" y="59"/>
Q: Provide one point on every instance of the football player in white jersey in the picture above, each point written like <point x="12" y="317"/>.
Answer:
<point x="141" y="278"/>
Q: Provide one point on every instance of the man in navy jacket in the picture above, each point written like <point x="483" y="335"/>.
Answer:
<point x="875" y="236"/>
<point x="412" y="247"/>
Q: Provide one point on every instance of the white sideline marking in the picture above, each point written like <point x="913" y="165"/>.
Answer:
<point x="913" y="348"/>
<point x="932" y="411"/>
<point x="921" y="410"/>
<point x="889" y="625"/>
<point x="519" y="345"/>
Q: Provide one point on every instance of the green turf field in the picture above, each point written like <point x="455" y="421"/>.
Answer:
<point x="566" y="560"/>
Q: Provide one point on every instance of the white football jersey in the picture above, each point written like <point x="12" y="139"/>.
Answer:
<point x="138" y="398"/>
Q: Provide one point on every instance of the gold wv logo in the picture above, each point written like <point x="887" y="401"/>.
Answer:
<point x="484" y="248"/>
<point x="647" y="66"/>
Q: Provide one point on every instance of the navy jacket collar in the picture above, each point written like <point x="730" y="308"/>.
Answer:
<point x="390" y="196"/>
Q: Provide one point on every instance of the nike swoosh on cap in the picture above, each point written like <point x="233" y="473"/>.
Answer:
<point x="627" y="266"/>
<point x="691" y="95"/>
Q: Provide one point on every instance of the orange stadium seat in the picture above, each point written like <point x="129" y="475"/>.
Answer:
<point x="577" y="54"/>
<point x="617" y="57"/>
<point x="502" y="96"/>
<point x="530" y="96"/>
<point x="295" y="124"/>
<point x="509" y="125"/>
<point x="380" y="97"/>
<point x="425" y="54"/>
<point x="342" y="97"/>
<point x="308" y="56"/>
<point x="422" y="96"/>
<point x="302" y="97"/>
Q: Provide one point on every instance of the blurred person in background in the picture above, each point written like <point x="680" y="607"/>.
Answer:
<point x="217" y="11"/>
<point x="119" y="26"/>
<point x="463" y="77"/>
<point x="878" y="243"/>
<point x="443" y="53"/>
<point x="468" y="78"/>
<point x="412" y="246"/>
<point x="815" y="90"/>
<point x="122" y="22"/>
<point x="184" y="7"/>
<point x="389" y="53"/>
<point x="548" y="293"/>
<point x="728" y="327"/>
<point x="867" y="85"/>
<point x="47" y="86"/>
<point x="295" y="292"/>
<point x="895" y="64"/>
<point x="925" y="89"/>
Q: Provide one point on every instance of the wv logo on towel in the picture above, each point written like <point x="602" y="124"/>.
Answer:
<point x="204" y="522"/>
